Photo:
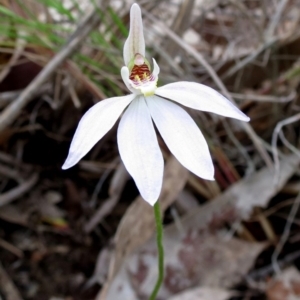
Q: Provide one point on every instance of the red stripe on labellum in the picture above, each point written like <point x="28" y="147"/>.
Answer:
<point x="140" y="71"/>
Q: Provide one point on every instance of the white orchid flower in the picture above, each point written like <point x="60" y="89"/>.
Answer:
<point x="137" y="141"/>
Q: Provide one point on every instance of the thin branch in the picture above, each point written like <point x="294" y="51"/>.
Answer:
<point x="88" y="24"/>
<point x="7" y="286"/>
<point x="265" y="98"/>
<point x="269" y="41"/>
<point x="276" y="132"/>
<point x="275" y="20"/>
<point x="248" y="59"/>
<point x="20" y="190"/>
<point x="285" y="234"/>
<point x="20" y="44"/>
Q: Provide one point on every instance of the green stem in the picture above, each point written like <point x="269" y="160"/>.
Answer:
<point x="160" y="250"/>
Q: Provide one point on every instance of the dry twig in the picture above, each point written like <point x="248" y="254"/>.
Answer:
<point x="285" y="234"/>
<point x="21" y="189"/>
<point x="7" y="287"/>
<point x="276" y="132"/>
<point x="88" y="24"/>
<point x="116" y="187"/>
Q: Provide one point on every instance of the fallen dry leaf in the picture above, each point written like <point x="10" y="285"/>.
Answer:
<point x="203" y="293"/>
<point x="237" y="202"/>
<point x="193" y="258"/>
<point x="286" y="286"/>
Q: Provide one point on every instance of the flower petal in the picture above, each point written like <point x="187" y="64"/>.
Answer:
<point x="182" y="136"/>
<point x="135" y="42"/>
<point x="139" y="150"/>
<point x="156" y="68"/>
<point x="201" y="97"/>
<point x="127" y="81"/>
<point x="94" y="124"/>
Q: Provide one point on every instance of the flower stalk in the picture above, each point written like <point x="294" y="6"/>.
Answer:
<point x="160" y="250"/>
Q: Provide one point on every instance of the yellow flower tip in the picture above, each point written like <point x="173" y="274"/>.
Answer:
<point x="149" y="90"/>
<point x="148" y="93"/>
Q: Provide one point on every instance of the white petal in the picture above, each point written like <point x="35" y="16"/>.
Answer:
<point x="94" y="124"/>
<point x="127" y="81"/>
<point x="201" y="97"/>
<point x="155" y="68"/>
<point x="139" y="150"/>
<point x="182" y="136"/>
<point x="135" y="42"/>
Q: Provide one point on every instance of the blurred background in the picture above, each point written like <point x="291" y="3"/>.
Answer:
<point x="85" y="233"/>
